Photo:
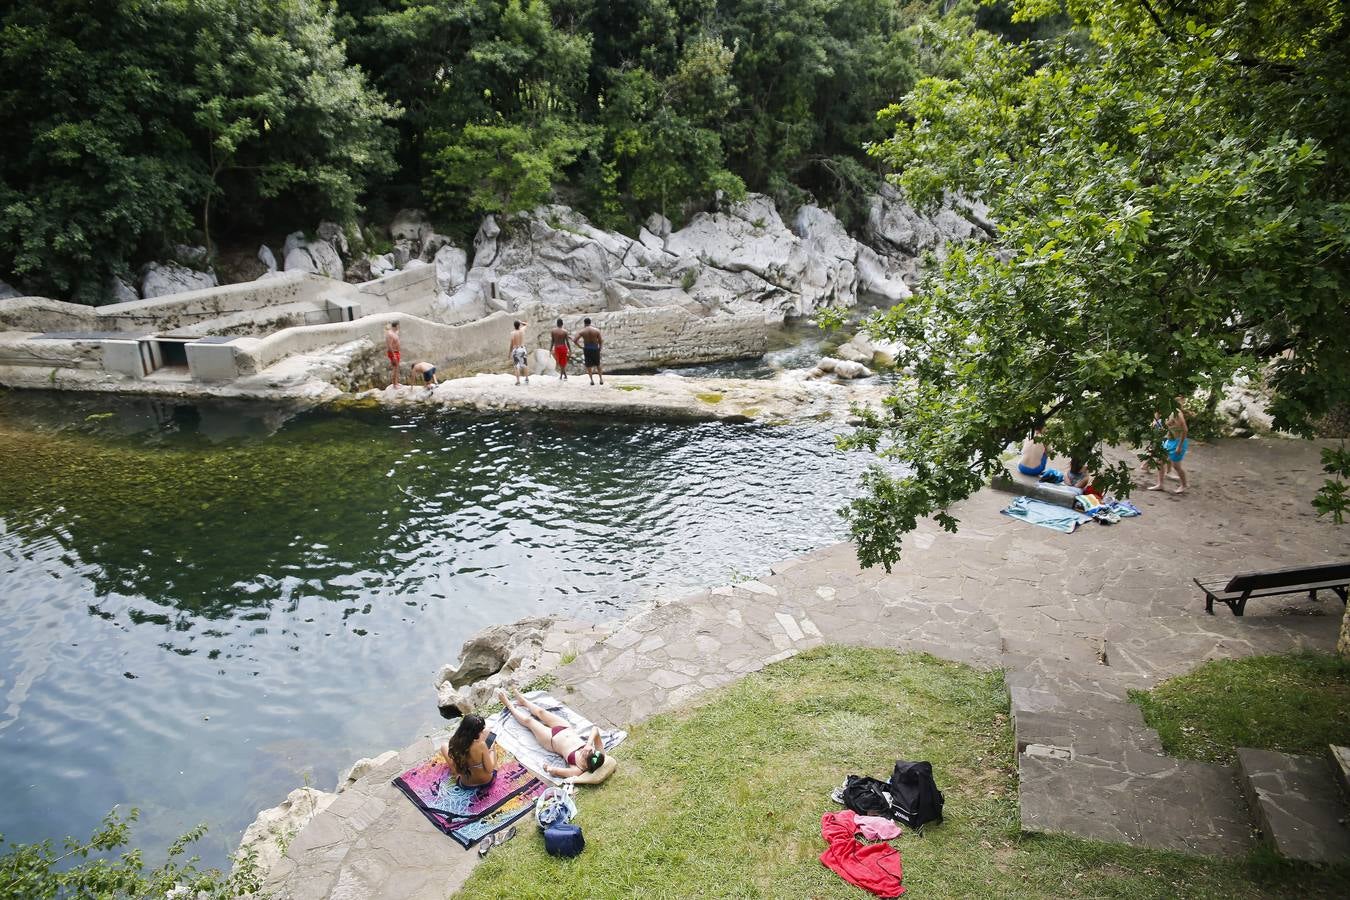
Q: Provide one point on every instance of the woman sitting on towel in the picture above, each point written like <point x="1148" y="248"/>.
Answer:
<point x="472" y="759"/>
<point x="553" y="732"/>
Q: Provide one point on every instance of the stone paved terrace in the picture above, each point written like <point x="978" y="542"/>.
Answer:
<point x="1076" y="620"/>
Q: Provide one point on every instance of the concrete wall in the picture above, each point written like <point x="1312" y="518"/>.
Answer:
<point x="39" y="314"/>
<point x="410" y="291"/>
<point x="16" y="350"/>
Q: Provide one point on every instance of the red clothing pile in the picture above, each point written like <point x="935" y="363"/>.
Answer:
<point x="872" y="867"/>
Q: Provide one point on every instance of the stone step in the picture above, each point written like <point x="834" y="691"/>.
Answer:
<point x="1147" y="800"/>
<point x="1298" y="805"/>
<point x="1100" y="739"/>
<point x="1340" y="762"/>
<point x="1086" y="697"/>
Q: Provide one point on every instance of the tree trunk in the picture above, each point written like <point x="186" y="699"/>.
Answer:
<point x="1343" y="645"/>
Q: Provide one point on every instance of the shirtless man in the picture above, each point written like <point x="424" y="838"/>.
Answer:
<point x="519" y="356"/>
<point x="427" y="371"/>
<point x="392" y="348"/>
<point x="590" y="342"/>
<point x="559" y="339"/>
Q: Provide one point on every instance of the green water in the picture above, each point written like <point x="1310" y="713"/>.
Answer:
<point x="205" y="606"/>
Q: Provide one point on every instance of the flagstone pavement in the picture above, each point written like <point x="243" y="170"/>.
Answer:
<point x="1075" y="620"/>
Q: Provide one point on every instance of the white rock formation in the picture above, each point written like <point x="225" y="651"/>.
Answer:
<point x="1244" y="407"/>
<point x="743" y="259"/>
<point x="410" y="225"/>
<point x="895" y="228"/>
<point x="362" y="767"/>
<point x="273" y="829"/>
<point x="508" y="654"/>
<point x="267" y="257"/>
<point x="120" y="290"/>
<point x="839" y="368"/>
<point x="293" y="240"/>
<point x="317" y="256"/>
<point x="162" y="279"/>
<point x="864" y="349"/>
<point x="334" y="234"/>
<point x="382" y="265"/>
<point x="192" y="257"/>
<point x="452" y="267"/>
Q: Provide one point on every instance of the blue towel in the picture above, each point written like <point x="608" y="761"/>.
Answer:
<point x="1046" y="515"/>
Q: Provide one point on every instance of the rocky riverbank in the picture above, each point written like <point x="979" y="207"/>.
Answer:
<point x="788" y="398"/>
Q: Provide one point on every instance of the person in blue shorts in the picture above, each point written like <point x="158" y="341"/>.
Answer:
<point x="1034" y="455"/>
<point x="1176" y="444"/>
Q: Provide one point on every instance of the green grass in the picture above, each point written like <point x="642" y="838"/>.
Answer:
<point x="1295" y="703"/>
<point x="724" y="800"/>
<point x="710" y="397"/>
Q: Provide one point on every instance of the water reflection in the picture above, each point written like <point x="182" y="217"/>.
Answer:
<point x="199" y="606"/>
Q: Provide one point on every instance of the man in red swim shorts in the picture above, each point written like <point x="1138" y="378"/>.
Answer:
<point x="393" y="349"/>
<point x="559" y="338"/>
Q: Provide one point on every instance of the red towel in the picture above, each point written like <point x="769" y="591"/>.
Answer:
<point x="872" y="867"/>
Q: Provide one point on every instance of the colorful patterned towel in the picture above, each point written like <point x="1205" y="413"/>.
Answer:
<point x="470" y="814"/>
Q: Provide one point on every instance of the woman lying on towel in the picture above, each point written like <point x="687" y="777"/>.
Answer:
<point x="553" y="732"/>
<point x="472" y="759"/>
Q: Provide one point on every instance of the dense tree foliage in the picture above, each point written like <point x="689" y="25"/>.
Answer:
<point x="1173" y="205"/>
<point x="138" y="123"/>
<point x="126" y="119"/>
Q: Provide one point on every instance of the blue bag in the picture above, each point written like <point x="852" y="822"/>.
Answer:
<point x="564" y="839"/>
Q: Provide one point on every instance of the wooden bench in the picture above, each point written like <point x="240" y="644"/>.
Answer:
<point x="1236" y="591"/>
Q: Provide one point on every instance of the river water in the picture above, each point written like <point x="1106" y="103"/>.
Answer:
<point x="202" y="607"/>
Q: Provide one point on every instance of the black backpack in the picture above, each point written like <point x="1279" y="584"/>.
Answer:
<point x="867" y="796"/>
<point x="915" y="798"/>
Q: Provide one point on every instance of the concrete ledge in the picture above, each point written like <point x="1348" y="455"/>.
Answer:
<point x="1057" y="494"/>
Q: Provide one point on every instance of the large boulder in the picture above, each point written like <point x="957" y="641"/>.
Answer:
<point x="334" y="234"/>
<point x="843" y="369"/>
<point x="508" y="654"/>
<point x="267" y="257"/>
<point x="326" y="259"/>
<point x="163" y="279"/>
<point x="121" y="290"/>
<point x="432" y="242"/>
<point x="198" y="258"/>
<point x="363" y="767"/>
<point x="271" y="832"/>
<point x="452" y="267"/>
<point x="410" y="225"/>
<point x="895" y="227"/>
<point x="293" y="240"/>
<point x="382" y="265"/>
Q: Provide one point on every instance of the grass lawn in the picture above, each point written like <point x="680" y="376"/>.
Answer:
<point x="724" y="800"/>
<point x="1295" y="703"/>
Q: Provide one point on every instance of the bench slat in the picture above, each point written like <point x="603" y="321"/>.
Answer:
<point x="1276" y="591"/>
<point x="1329" y="574"/>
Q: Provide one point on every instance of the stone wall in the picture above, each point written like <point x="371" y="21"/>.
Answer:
<point x="654" y="337"/>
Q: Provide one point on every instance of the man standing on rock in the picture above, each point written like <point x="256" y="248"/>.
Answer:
<point x="393" y="349"/>
<point x="519" y="358"/>
<point x="590" y="342"/>
<point x="559" y="339"/>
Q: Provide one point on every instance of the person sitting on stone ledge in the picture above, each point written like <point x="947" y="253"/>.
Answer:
<point x="472" y="759"/>
<point x="552" y="731"/>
